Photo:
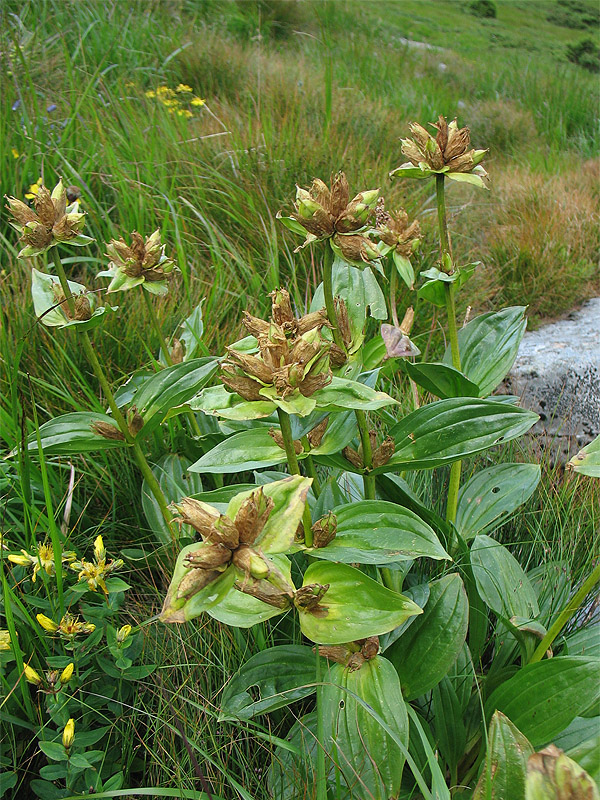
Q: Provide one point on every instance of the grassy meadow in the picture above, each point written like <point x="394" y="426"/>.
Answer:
<point x="275" y="93"/>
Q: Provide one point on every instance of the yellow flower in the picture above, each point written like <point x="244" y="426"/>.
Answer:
<point x="4" y="640"/>
<point x="66" y="674"/>
<point x="42" y="559"/>
<point x="68" y="628"/>
<point x="16" y="154"/>
<point x="164" y="91"/>
<point x="123" y="633"/>
<point x="170" y="103"/>
<point x="31" y="675"/>
<point x="183" y="87"/>
<point x="185" y="113"/>
<point x="95" y="572"/>
<point x="46" y="623"/>
<point x="150" y="93"/>
<point x="34" y="189"/>
<point x="197" y="101"/>
<point x="68" y="734"/>
<point x="99" y="549"/>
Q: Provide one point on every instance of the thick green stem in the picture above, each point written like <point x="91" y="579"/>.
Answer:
<point x="157" y="328"/>
<point x="328" y="292"/>
<point x="139" y="456"/>
<point x="393" y="286"/>
<point x="294" y="467"/>
<point x="367" y="451"/>
<point x="455" y="470"/>
<point x="311" y="470"/>
<point x="321" y="773"/>
<point x="565" y="615"/>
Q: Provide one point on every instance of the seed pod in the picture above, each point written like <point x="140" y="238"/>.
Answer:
<point x="369" y="647"/>
<point x="324" y="530"/>
<point x="251" y="563"/>
<point x="246" y="387"/>
<point x="199" y="515"/>
<point x="191" y="583"/>
<point x="351" y="455"/>
<point x="307" y="598"/>
<point x="316" y="319"/>
<point x="107" y="430"/>
<point x="266" y="592"/>
<point x="384" y="452"/>
<point x="281" y="307"/>
<point x="177" y="352"/>
<point x="278" y="439"/>
<point x="255" y="326"/>
<point x="135" y="421"/>
<point x="253" y="515"/>
<point x="315" y="436"/>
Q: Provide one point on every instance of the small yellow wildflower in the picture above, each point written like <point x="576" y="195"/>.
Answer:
<point x="68" y="628"/>
<point x="164" y="91"/>
<point x="150" y="93"/>
<point x="34" y="189"/>
<point x="68" y="734"/>
<point x="184" y="113"/>
<point x="5" y="640"/>
<point x="183" y="87"/>
<point x="95" y="572"/>
<point x="197" y="101"/>
<point x="67" y="673"/>
<point x="15" y="153"/>
<point x="31" y="675"/>
<point x="123" y="633"/>
<point x="170" y="103"/>
<point x="43" y="559"/>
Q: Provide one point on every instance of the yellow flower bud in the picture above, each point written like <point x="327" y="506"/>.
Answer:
<point x="66" y="674"/>
<point x="46" y="623"/>
<point x="123" y="633"/>
<point x="68" y="734"/>
<point x="99" y="549"/>
<point x="31" y="675"/>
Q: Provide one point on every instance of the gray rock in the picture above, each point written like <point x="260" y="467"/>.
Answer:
<point x="557" y="375"/>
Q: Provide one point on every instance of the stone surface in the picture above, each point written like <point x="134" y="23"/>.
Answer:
<point x="557" y="375"/>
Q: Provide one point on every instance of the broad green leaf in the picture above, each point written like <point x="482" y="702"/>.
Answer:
<point x="501" y="582"/>
<point x="488" y="346"/>
<point x="434" y="290"/>
<point x="367" y="756"/>
<point x="71" y="434"/>
<point x="405" y="269"/>
<point x="277" y="677"/>
<point x="341" y="429"/>
<point x="441" y="380"/>
<point x="342" y="393"/>
<point x="217" y="401"/>
<point x="581" y="730"/>
<point x="505" y="767"/>
<point x="173" y="387"/>
<point x="240" y="610"/>
<point x="587" y="755"/>
<point x="542" y="699"/>
<point x="462" y="676"/>
<point x="353" y="607"/>
<point x="53" y="750"/>
<point x="396" y="489"/>
<point x="52" y="314"/>
<point x="376" y="532"/>
<point x="247" y="450"/>
<point x="449" y="430"/>
<point x="420" y="595"/>
<point x="180" y="609"/>
<point x="175" y="481"/>
<point x="450" y="733"/>
<point x="219" y="498"/>
<point x="295" y="403"/>
<point x="584" y="642"/>
<point x="587" y="461"/>
<point x="491" y="495"/>
<point x="189" y="333"/>
<point x="551" y="583"/>
<point x="430" y="646"/>
<point x="289" y="498"/>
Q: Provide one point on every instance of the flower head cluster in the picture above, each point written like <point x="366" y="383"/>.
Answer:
<point x="95" y="572"/>
<point x="449" y="152"/>
<point x="143" y="262"/>
<point x="292" y="355"/>
<point x="42" y="559"/>
<point x="50" y="222"/>
<point x="396" y="232"/>
<point x="179" y="101"/>
<point x="52" y="681"/>
<point x="323" y="212"/>
<point x="68" y="628"/>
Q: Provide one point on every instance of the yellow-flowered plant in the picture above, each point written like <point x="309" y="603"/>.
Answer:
<point x="42" y="558"/>
<point x="177" y="101"/>
<point x="68" y="734"/>
<point x="95" y="572"/>
<point x="68" y="628"/>
<point x="5" y="640"/>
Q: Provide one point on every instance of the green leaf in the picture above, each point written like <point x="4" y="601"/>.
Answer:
<point x="247" y="450"/>
<point x="176" y="609"/>
<point x="217" y="401"/>
<point x="430" y="646"/>
<point x="295" y="403"/>
<point x="240" y="610"/>
<point x="365" y="753"/>
<point x="72" y="433"/>
<point x="487" y="499"/>
<point x="277" y="677"/>
<point x="376" y="532"/>
<point x="584" y="642"/>
<point x="189" y="333"/>
<point x="172" y="388"/>
<point x="342" y="393"/>
<point x="449" y="430"/>
<point x="488" y="346"/>
<point x="501" y="582"/>
<point x="341" y="429"/>
<point x="587" y="460"/>
<point x="450" y="733"/>
<point x="505" y="768"/>
<point x="289" y="499"/>
<point x="433" y="290"/>
<point x="176" y="481"/>
<point x="405" y="269"/>
<point x="440" y="379"/>
<point x="542" y="699"/>
<point x="51" y="313"/>
<point x="354" y="606"/>
<point x="467" y="177"/>
<point x="53" y="750"/>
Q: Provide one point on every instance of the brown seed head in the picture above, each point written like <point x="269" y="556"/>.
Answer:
<point x="107" y="431"/>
